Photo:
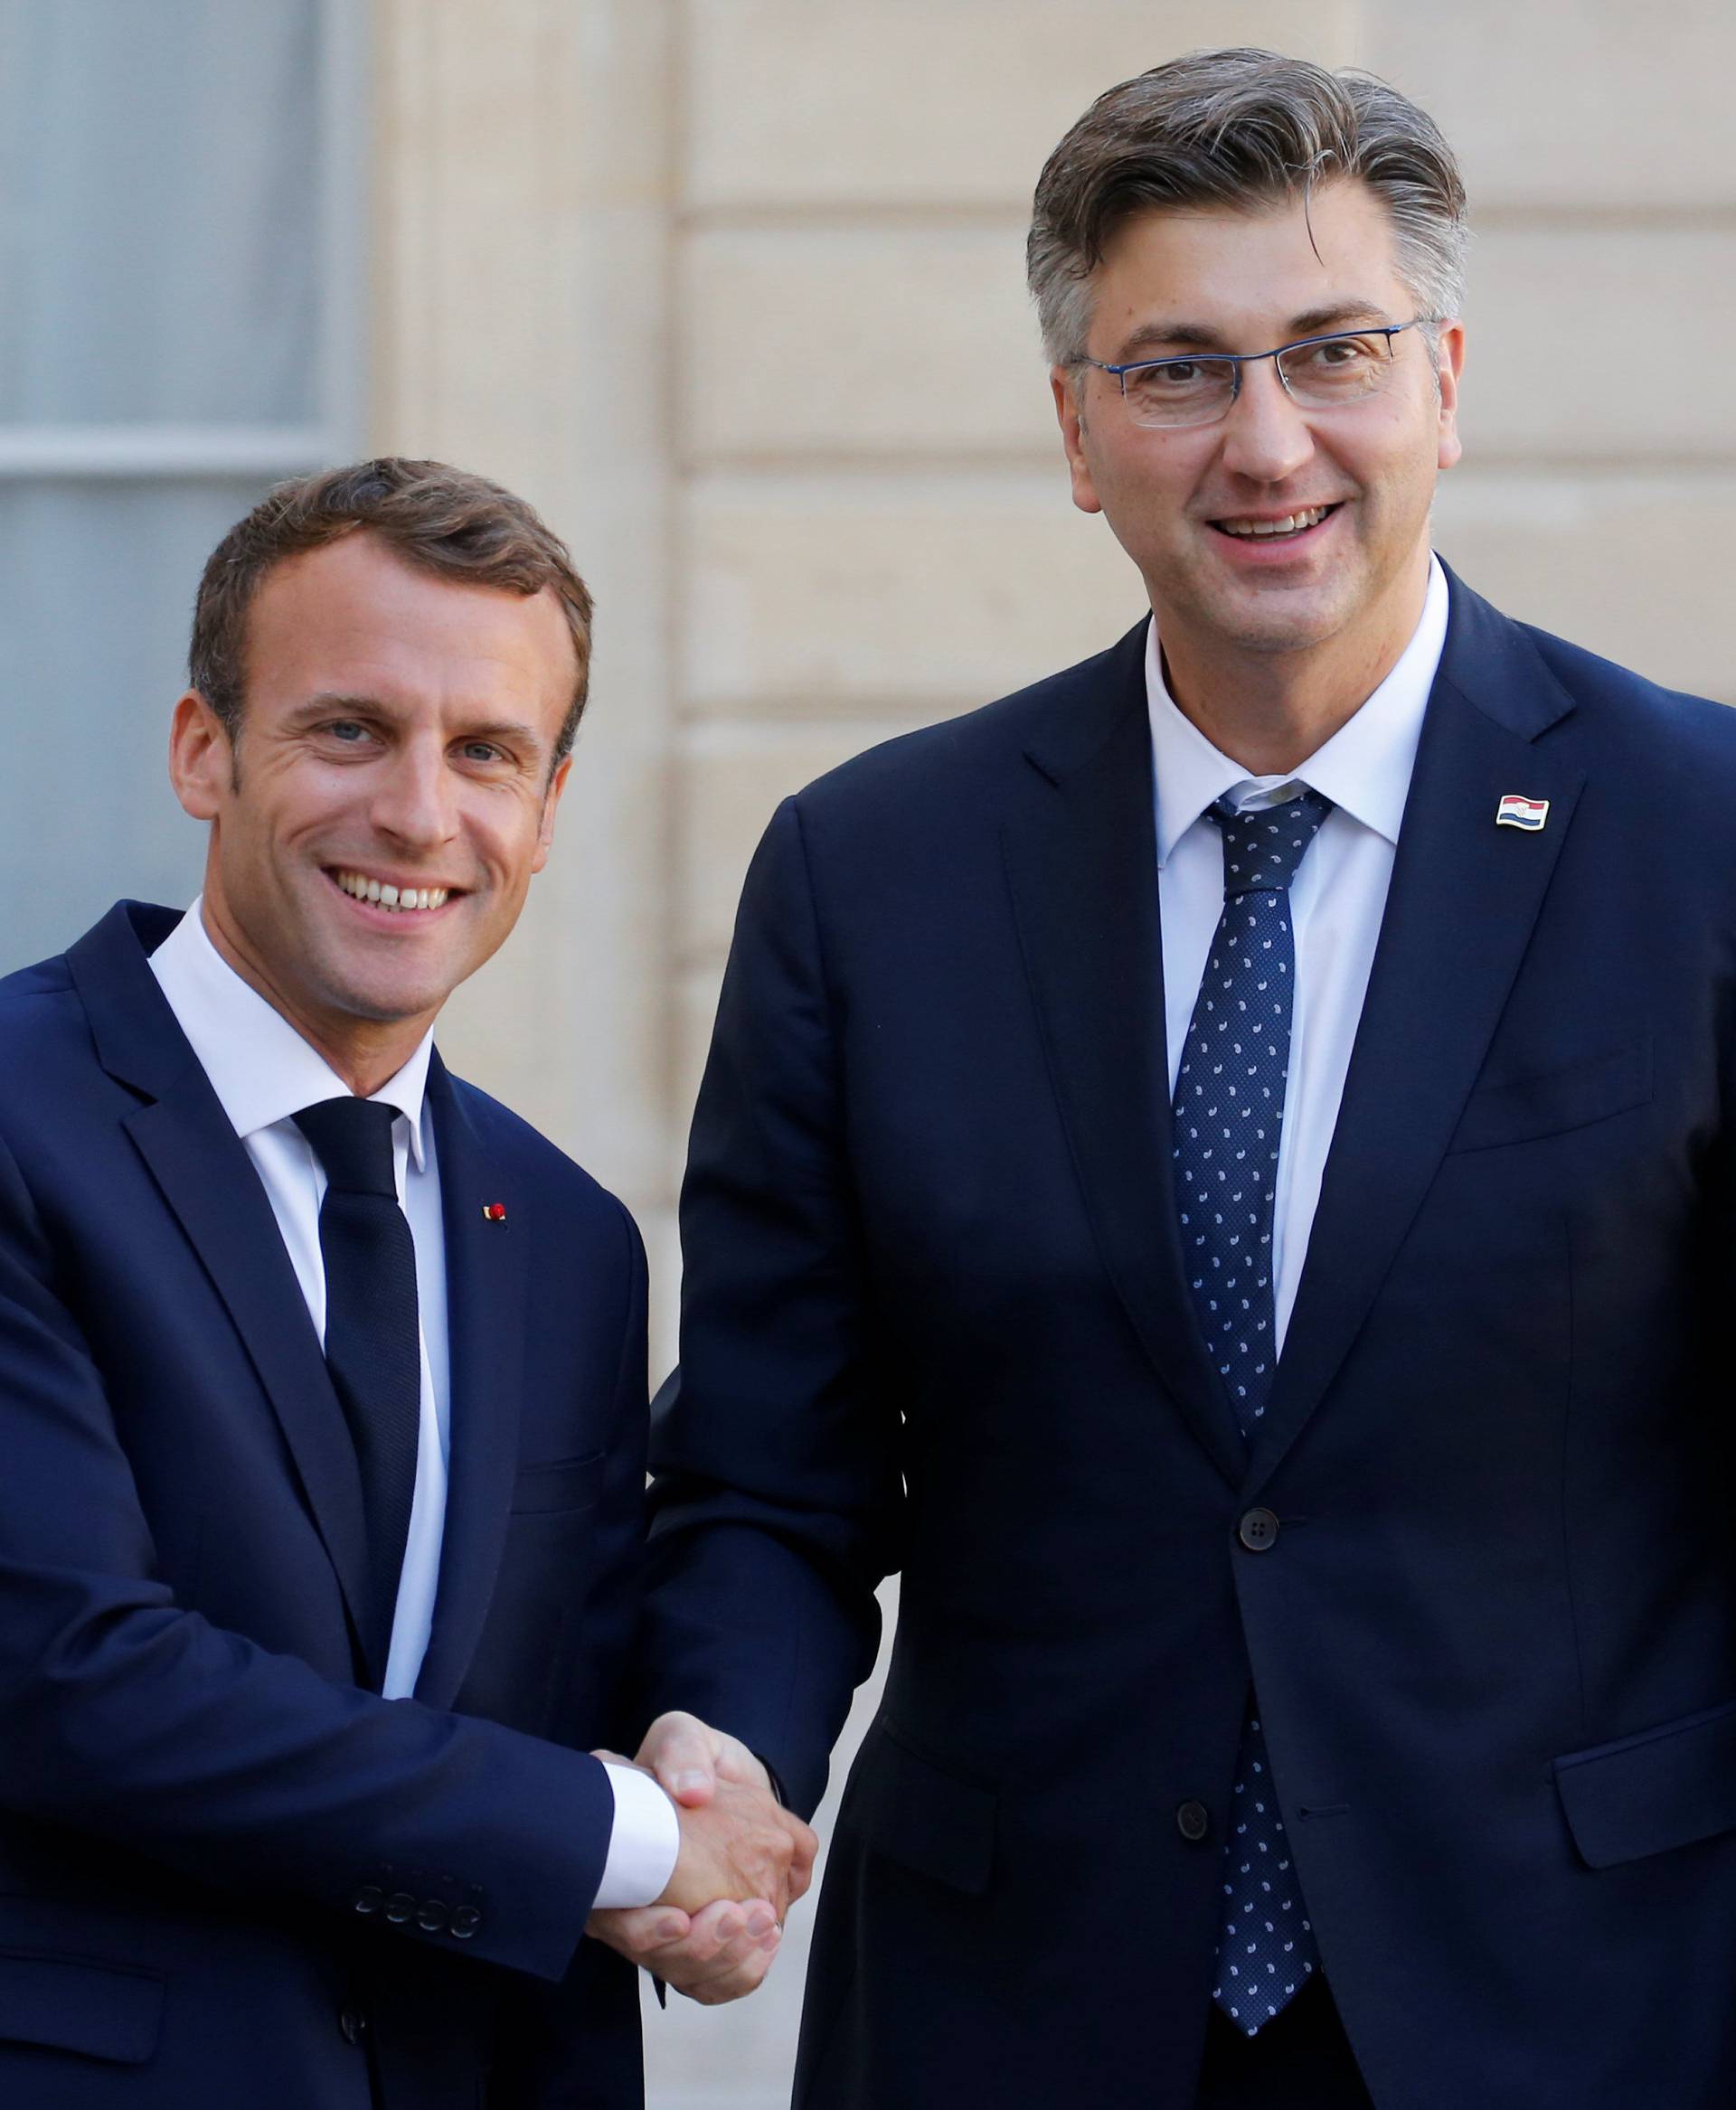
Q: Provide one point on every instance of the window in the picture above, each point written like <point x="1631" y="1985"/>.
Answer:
<point x="181" y="205"/>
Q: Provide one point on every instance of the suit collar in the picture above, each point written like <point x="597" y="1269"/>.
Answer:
<point x="136" y="1039"/>
<point x="1086" y="707"/>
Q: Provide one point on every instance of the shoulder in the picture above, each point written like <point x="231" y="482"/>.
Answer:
<point x="938" y="761"/>
<point x="1625" y="695"/>
<point x="45" y="1030"/>
<point x="1665" y="725"/>
<point x="1636" y="741"/>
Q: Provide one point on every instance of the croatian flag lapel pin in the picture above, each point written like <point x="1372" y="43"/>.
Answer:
<point x="1515" y="812"/>
<point x="494" y="1211"/>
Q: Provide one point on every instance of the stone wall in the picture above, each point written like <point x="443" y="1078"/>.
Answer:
<point x="733" y="289"/>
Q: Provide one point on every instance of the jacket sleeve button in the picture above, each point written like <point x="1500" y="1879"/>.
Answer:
<point x="431" y="1919"/>
<point x="370" y="1897"/>
<point x="464" y="1922"/>
<point x="401" y="1906"/>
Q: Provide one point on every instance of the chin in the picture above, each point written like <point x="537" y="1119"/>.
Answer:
<point x="384" y="999"/>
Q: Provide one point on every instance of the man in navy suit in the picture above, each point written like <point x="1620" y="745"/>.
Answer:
<point x="1219" y="1167"/>
<point x="322" y="1403"/>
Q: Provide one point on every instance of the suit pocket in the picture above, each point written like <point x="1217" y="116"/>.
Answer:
<point x="923" y="1815"/>
<point x="1550" y="1102"/>
<point x="1665" y="1787"/>
<point x="68" y="2003"/>
<point x="567" y="1483"/>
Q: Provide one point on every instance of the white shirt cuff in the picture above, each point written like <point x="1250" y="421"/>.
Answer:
<point x="644" y="1842"/>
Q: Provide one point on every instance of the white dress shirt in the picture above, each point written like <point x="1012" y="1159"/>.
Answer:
<point x="1336" y="899"/>
<point x="264" y="1073"/>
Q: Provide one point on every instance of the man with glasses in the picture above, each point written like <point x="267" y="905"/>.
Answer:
<point x="1216" y="1167"/>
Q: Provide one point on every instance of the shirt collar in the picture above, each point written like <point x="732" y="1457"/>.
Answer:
<point x="1364" y="768"/>
<point x="260" y="1067"/>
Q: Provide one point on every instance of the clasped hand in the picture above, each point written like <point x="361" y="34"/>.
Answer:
<point x="744" y="1860"/>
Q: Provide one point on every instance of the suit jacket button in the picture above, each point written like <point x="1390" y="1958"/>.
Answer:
<point x="431" y="1919"/>
<point x="1194" y="1822"/>
<point x="354" y="2024"/>
<point x="370" y="1897"/>
<point x="1258" y="1530"/>
<point x="464" y="1922"/>
<point x="399" y="1906"/>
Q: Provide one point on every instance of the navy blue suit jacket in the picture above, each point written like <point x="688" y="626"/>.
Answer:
<point x="935" y="1320"/>
<point x="228" y="1874"/>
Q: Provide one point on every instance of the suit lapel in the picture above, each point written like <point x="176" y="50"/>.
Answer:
<point x="1083" y="868"/>
<point x="208" y="1181"/>
<point x="486" y="1282"/>
<point x="203" y="1173"/>
<point x="1465" y="896"/>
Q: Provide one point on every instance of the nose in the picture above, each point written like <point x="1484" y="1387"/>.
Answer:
<point x="415" y="795"/>
<point x="1265" y="438"/>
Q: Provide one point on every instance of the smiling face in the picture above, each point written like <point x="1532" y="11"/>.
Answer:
<point x="397" y="747"/>
<point x="1349" y="487"/>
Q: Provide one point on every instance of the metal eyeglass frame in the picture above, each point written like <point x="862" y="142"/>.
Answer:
<point x="1236" y="361"/>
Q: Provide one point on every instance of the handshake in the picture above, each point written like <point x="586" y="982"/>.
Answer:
<point x="744" y="1860"/>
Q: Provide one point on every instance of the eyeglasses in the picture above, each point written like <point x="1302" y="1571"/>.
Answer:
<point x="1319" y="373"/>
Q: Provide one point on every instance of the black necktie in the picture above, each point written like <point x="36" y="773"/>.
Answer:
<point x="373" y="1342"/>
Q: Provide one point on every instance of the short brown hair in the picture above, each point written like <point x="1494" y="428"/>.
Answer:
<point x="1244" y="128"/>
<point x="438" y="518"/>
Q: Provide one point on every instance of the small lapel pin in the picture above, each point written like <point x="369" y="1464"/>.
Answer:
<point x="495" y="1211"/>
<point x="1515" y="812"/>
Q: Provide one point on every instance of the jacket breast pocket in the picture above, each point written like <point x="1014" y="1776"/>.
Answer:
<point x="69" y="2004"/>
<point x="1665" y="1787"/>
<point x="561" y="1486"/>
<point x="923" y="1815"/>
<point x="1550" y="1102"/>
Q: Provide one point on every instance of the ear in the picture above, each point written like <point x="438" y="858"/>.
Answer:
<point x="201" y="757"/>
<point x="551" y="800"/>
<point x="1452" y="366"/>
<point x="1066" y="381"/>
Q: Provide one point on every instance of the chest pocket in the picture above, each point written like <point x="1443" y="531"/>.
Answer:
<point x="567" y="1485"/>
<point x="1550" y="1102"/>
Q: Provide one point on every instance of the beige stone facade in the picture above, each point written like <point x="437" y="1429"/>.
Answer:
<point x="733" y="289"/>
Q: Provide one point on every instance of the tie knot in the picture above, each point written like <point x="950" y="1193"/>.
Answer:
<point x="351" y="1138"/>
<point x="1264" y="846"/>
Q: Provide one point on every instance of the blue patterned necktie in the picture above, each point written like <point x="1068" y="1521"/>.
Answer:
<point x="1228" y="1112"/>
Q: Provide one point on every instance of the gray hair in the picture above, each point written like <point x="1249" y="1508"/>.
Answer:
<point x="1243" y="128"/>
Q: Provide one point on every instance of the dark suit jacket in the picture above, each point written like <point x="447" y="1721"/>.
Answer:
<point x="935" y="1320"/>
<point x="228" y="1876"/>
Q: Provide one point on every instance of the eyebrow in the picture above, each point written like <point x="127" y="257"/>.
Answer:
<point x="328" y="700"/>
<point x="1183" y="337"/>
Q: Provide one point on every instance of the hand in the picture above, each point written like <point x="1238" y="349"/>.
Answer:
<point x="740" y="1844"/>
<point x="722" y="1945"/>
<point x="716" y="1955"/>
<point x="687" y="1759"/>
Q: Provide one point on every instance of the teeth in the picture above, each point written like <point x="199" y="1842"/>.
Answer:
<point x="1292" y="524"/>
<point x="387" y="896"/>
